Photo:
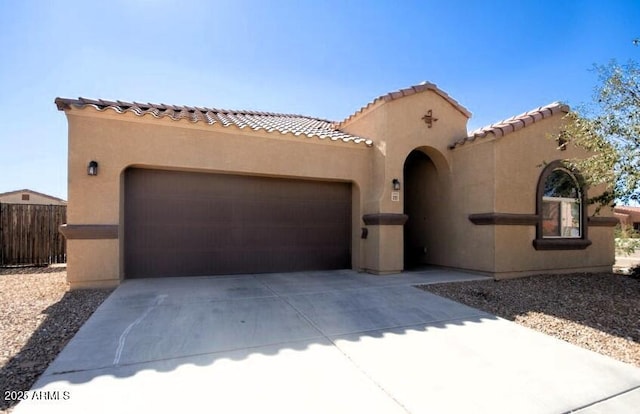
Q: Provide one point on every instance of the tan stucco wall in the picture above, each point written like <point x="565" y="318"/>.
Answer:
<point x="520" y="159"/>
<point x="93" y="263"/>
<point x="472" y="190"/>
<point x="120" y="141"/>
<point x="397" y="128"/>
<point x="383" y="250"/>
<point x="515" y="255"/>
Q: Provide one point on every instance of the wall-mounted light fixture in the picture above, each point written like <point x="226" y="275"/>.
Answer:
<point x="92" y="168"/>
<point x="396" y="184"/>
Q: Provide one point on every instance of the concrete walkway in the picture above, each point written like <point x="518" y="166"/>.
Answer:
<point x="625" y="262"/>
<point x="318" y="342"/>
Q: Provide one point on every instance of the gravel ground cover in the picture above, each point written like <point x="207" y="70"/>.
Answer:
<point x="38" y="316"/>
<point x="600" y="312"/>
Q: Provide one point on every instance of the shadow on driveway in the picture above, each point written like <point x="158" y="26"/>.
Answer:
<point x="63" y="320"/>
<point x="316" y="342"/>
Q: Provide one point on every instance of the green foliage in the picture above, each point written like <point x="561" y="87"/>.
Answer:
<point x="626" y="232"/>
<point x="561" y="184"/>
<point x="610" y="130"/>
<point x="626" y="239"/>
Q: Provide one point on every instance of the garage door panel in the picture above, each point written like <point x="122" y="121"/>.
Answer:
<point x="184" y="224"/>
<point x="184" y="210"/>
<point x="219" y="262"/>
<point x="187" y="237"/>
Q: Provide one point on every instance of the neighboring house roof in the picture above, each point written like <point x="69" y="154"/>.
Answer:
<point x="627" y="212"/>
<point x="424" y="86"/>
<point x="627" y="209"/>
<point x="26" y="190"/>
<point x="298" y="125"/>
<point x="515" y="123"/>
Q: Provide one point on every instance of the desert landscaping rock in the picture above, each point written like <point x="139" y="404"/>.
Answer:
<point x="39" y="315"/>
<point x="600" y="312"/>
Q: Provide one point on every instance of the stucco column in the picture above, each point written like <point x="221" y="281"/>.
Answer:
<point x="385" y="241"/>
<point x="383" y="216"/>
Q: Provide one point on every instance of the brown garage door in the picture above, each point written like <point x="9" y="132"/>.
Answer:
<point x="188" y="224"/>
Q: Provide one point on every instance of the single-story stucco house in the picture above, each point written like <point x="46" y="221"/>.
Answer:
<point x="163" y="190"/>
<point x="26" y="196"/>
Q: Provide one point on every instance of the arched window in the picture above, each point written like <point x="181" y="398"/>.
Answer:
<point x="561" y="205"/>
<point x="561" y="209"/>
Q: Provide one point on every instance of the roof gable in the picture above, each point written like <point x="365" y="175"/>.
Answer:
<point x="514" y="123"/>
<point x="297" y="125"/>
<point x="401" y="93"/>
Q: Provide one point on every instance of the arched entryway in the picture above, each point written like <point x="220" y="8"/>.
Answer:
<point x="423" y="205"/>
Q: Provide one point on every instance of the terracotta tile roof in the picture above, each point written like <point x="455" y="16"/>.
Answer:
<point x="298" y="125"/>
<point x="424" y="86"/>
<point x="515" y="123"/>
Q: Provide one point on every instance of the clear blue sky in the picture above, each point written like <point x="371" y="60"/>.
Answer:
<point x="318" y="58"/>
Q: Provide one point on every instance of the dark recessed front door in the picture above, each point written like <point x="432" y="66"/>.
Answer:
<point x="190" y="224"/>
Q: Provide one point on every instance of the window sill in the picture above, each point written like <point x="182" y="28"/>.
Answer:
<point x="561" y="244"/>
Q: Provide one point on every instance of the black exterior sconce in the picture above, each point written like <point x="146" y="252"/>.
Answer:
<point x="92" y="168"/>
<point x="395" y="184"/>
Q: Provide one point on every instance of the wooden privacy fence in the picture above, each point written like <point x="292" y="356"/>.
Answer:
<point x="29" y="234"/>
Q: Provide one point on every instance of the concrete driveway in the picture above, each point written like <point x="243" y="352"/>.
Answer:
<point x="318" y="342"/>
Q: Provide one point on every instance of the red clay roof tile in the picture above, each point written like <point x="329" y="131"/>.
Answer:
<point x="515" y="123"/>
<point x="271" y="122"/>
<point x="310" y="127"/>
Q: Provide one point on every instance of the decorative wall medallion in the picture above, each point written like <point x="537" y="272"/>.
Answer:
<point x="562" y="141"/>
<point x="429" y="118"/>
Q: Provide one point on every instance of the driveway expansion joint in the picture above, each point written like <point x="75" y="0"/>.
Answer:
<point x="602" y="400"/>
